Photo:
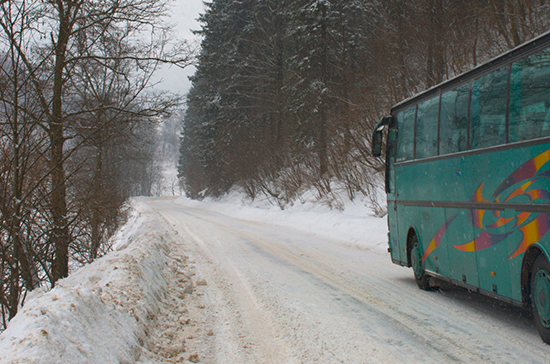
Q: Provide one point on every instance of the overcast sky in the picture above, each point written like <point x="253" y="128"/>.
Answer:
<point x="184" y="16"/>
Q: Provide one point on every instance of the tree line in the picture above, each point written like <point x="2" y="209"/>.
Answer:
<point x="76" y="118"/>
<point x="286" y="93"/>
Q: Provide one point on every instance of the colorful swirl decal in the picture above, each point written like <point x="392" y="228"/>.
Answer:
<point x="434" y="243"/>
<point x="528" y="181"/>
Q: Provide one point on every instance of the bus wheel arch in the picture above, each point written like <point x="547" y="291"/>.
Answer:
<point x="414" y="260"/>
<point x="411" y="235"/>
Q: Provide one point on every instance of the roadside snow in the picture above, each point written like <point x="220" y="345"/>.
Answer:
<point x="354" y="223"/>
<point x="103" y="312"/>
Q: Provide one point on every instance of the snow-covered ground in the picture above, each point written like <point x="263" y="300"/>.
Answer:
<point x="105" y="312"/>
<point x="108" y="311"/>
<point x="353" y="223"/>
<point x="233" y="282"/>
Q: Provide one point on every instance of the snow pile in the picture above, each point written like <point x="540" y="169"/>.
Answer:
<point x="354" y="223"/>
<point x="99" y="314"/>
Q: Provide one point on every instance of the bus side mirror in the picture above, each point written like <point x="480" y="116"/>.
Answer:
<point x="377" y="143"/>
<point x="377" y="136"/>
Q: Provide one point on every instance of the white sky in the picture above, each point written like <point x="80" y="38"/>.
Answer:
<point x="184" y="15"/>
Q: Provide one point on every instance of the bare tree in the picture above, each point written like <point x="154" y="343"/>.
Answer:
<point x="22" y="146"/>
<point x="74" y="74"/>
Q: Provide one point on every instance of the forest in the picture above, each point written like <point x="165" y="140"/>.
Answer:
<point x="78" y="120"/>
<point x="286" y="93"/>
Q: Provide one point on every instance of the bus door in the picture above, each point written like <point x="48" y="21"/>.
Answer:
<point x="396" y="250"/>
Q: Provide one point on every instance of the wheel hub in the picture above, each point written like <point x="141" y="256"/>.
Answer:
<point x="542" y="296"/>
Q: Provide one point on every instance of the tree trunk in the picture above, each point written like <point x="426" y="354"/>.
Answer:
<point x="514" y="26"/>
<point x="435" y="64"/>
<point x="322" y="120"/>
<point x="96" y="203"/>
<point x="58" y="202"/>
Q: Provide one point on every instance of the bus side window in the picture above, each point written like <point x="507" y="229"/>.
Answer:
<point x="488" y="109"/>
<point x="426" y="128"/>
<point x="405" y="134"/>
<point x="530" y="97"/>
<point x="454" y="120"/>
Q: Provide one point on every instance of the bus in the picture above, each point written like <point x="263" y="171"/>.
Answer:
<point x="468" y="180"/>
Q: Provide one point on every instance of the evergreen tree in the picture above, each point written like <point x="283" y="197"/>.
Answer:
<point x="286" y="92"/>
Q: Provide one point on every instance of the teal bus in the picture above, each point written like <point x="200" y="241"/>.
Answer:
<point x="468" y="180"/>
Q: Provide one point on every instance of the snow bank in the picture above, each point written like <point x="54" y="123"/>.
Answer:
<point x="99" y="314"/>
<point x="354" y="223"/>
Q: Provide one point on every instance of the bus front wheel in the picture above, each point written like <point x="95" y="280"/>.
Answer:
<point x="417" y="265"/>
<point x="540" y="296"/>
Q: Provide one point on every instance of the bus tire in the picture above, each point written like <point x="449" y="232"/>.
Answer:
<point x="540" y="296"/>
<point x="417" y="265"/>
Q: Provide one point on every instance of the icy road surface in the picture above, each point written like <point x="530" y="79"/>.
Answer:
<point x="279" y="295"/>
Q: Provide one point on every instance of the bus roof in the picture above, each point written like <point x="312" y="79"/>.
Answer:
<point x="503" y="59"/>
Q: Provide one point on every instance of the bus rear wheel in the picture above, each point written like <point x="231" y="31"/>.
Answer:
<point x="417" y="265"/>
<point x="540" y="296"/>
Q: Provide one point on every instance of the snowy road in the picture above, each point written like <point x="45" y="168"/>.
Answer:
<point x="278" y="295"/>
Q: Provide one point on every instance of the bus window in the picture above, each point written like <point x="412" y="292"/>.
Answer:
<point x="530" y="97"/>
<point x="426" y="128"/>
<point x="405" y="134"/>
<point x="453" y="133"/>
<point x="488" y="110"/>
